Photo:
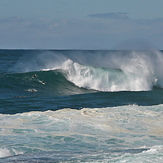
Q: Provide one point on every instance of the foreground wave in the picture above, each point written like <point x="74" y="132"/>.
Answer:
<point x="126" y="133"/>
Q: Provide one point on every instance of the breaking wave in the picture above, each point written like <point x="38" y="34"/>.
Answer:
<point x="100" y="71"/>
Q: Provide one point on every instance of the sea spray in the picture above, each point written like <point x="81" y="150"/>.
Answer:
<point x="129" y="78"/>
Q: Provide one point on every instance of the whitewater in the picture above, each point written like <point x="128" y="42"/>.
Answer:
<point x="81" y="106"/>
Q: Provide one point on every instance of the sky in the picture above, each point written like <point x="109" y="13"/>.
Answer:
<point x="81" y="24"/>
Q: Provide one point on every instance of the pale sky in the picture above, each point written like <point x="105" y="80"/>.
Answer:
<point x="80" y="24"/>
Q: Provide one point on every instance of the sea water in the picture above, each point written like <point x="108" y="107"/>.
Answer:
<point x="81" y="106"/>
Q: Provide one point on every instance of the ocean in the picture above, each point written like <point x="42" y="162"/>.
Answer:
<point x="81" y="106"/>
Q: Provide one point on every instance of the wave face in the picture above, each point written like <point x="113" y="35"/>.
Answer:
<point x="45" y="83"/>
<point x="100" y="70"/>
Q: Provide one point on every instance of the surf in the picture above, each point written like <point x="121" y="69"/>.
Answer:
<point x="107" y="71"/>
<point x="115" y="131"/>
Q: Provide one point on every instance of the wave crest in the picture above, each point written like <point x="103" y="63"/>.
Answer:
<point x="109" y="79"/>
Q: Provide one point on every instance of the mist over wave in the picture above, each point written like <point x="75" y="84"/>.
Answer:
<point x="101" y="70"/>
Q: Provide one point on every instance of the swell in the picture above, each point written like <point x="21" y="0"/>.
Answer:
<point x="73" y="78"/>
<point x="75" y="72"/>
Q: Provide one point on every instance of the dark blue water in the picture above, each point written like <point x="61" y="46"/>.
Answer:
<point x="85" y="106"/>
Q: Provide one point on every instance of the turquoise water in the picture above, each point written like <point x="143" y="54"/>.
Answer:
<point x="81" y="106"/>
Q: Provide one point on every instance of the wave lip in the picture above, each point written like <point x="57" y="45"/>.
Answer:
<point x="109" y="79"/>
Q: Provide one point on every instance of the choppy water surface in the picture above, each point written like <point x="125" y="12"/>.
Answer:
<point x="81" y="106"/>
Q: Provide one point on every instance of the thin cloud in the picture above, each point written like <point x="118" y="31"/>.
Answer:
<point x="77" y="34"/>
<point x="119" y="15"/>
